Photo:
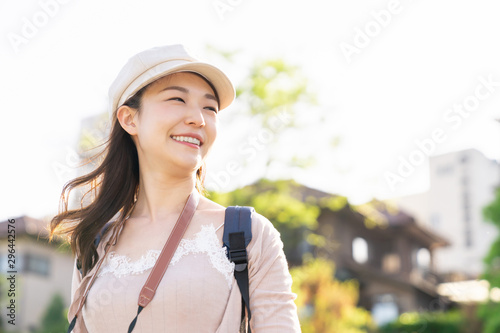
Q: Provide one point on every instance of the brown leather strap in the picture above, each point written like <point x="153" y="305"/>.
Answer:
<point x="149" y="288"/>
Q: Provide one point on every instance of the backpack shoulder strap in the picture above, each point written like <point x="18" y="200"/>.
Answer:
<point x="237" y="236"/>
<point x="97" y="240"/>
<point x="238" y="218"/>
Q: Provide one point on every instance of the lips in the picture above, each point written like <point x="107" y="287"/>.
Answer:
<point x="189" y="138"/>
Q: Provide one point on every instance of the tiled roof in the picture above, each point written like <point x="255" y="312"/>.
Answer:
<point x="25" y="225"/>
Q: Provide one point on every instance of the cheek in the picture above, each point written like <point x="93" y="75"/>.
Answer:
<point x="213" y="129"/>
<point x="151" y="130"/>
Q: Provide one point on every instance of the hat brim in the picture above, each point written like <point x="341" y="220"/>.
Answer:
<point x="221" y="83"/>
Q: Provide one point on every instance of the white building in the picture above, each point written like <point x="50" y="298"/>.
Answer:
<point x="461" y="184"/>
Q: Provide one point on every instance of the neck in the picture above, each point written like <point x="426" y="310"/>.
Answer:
<point x="160" y="197"/>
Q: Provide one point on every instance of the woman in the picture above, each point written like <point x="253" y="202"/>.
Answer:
<point x="164" y="106"/>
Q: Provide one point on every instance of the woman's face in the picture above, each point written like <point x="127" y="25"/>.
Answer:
<point x="177" y="123"/>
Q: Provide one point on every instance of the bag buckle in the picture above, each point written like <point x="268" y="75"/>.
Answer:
<point x="240" y="259"/>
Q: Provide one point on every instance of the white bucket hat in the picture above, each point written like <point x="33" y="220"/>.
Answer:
<point x="152" y="64"/>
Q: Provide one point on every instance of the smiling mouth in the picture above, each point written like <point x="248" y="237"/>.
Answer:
<point x="186" y="139"/>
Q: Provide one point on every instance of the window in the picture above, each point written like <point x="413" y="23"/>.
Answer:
<point x="36" y="264"/>
<point x="467" y="219"/>
<point x="391" y="263"/>
<point x="444" y="170"/>
<point x="423" y="258"/>
<point x="385" y="309"/>
<point x="360" y="250"/>
<point x="468" y="236"/>
<point x="4" y="263"/>
<point x="466" y="200"/>
<point x="466" y="206"/>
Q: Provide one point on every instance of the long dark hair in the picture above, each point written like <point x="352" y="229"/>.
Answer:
<point x="115" y="184"/>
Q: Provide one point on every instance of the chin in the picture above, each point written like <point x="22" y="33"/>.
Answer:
<point x="190" y="163"/>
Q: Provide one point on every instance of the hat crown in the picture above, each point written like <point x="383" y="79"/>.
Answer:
<point x="147" y="59"/>
<point x="151" y="64"/>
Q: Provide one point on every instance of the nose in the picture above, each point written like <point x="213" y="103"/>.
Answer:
<point x="195" y="116"/>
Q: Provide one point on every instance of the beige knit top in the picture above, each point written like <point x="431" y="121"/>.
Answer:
<point x="198" y="292"/>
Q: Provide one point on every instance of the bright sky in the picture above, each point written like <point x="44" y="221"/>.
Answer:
<point x="387" y="73"/>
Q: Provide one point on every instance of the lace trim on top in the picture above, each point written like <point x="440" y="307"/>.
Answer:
<point x="205" y="241"/>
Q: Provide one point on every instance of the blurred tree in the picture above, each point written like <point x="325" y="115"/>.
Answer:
<point x="325" y="304"/>
<point x="274" y="89"/>
<point x="489" y="312"/>
<point x="54" y="319"/>
<point x="280" y="202"/>
<point x="271" y="85"/>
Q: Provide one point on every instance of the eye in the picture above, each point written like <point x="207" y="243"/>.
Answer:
<point x="211" y="108"/>
<point x="176" y="99"/>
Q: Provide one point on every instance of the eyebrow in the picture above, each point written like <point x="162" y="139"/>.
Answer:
<point x="186" y="91"/>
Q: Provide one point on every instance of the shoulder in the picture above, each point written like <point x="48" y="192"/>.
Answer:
<point x="207" y="204"/>
<point x="210" y="211"/>
<point x="265" y="251"/>
<point x="262" y="225"/>
<point x="264" y="234"/>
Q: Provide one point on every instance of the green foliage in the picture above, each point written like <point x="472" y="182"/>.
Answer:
<point x="492" y="260"/>
<point x="492" y="211"/>
<point x="427" y="322"/>
<point x="273" y="84"/>
<point x="325" y="304"/>
<point x="334" y="203"/>
<point x="279" y="201"/>
<point x="54" y="319"/>
<point x="274" y="88"/>
<point x="489" y="312"/>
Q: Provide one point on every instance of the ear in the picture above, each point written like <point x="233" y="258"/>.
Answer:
<point x="126" y="117"/>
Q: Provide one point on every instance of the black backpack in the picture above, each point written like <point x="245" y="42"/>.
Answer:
<point x="237" y="236"/>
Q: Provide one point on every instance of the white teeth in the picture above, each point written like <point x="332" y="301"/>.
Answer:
<point x="187" y="139"/>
